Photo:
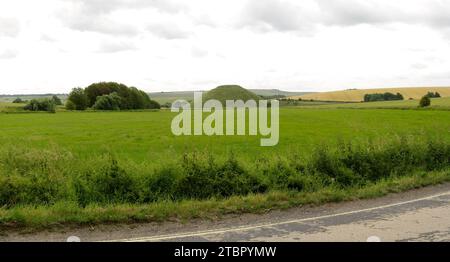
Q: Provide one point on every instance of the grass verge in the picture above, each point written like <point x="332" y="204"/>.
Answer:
<point x="71" y="214"/>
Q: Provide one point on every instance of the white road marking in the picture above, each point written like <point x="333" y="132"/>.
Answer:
<point x="245" y="228"/>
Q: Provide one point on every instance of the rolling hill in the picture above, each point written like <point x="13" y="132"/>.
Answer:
<point x="357" y="95"/>
<point x="277" y="92"/>
<point x="230" y="92"/>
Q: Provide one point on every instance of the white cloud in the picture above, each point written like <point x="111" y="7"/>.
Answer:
<point x="168" y="30"/>
<point x="160" y="45"/>
<point x="114" y="46"/>
<point x="9" y="54"/>
<point x="9" y="27"/>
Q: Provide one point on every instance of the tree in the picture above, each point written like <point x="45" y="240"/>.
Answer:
<point x="57" y="100"/>
<point x="78" y="98"/>
<point x="70" y="105"/>
<point x="382" y="97"/>
<point x="425" y="101"/>
<point x="131" y="97"/>
<point x="18" y="101"/>
<point x="433" y="95"/>
<point x="103" y="88"/>
<point x="41" y="105"/>
<point x="153" y="105"/>
<point x="108" y="102"/>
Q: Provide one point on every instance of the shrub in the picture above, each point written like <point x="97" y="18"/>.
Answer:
<point x="56" y="100"/>
<point x="108" y="184"/>
<point x="78" y="98"/>
<point x="41" y="105"/>
<point x="70" y="105"/>
<point x="382" y="97"/>
<point x="18" y="101"/>
<point x="44" y="177"/>
<point x="108" y="102"/>
<point x="433" y="95"/>
<point x="425" y="101"/>
<point x="131" y="97"/>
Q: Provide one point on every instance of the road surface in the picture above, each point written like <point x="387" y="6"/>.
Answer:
<point x="418" y="215"/>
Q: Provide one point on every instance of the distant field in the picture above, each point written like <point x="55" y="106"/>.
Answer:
<point x="10" y="98"/>
<point x="8" y="106"/>
<point x="357" y="95"/>
<point x="170" y="97"/>
<point x="436" y="103"/>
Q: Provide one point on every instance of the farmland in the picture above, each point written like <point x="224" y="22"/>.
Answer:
<point x="94" y="167"/>
<point x="146" y="136"/>
<point x="436" y="104"/>
<point x="357" y="95"/>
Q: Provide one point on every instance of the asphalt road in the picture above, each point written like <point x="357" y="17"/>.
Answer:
<point x="418" y="215"/>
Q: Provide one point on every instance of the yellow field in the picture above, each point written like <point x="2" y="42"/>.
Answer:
<point x="357" y="95"/>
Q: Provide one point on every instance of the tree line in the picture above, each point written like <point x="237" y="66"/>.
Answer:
<point x="109" y="96"/>
<point x="382" y="97"/>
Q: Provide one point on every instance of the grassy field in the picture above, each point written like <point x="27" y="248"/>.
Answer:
<point x="146" y="136"/>
<point x="170" y="97"/>
<point x="357" y="95"/>
<point x="95" y="167"/>
<point x="436" y="104"/>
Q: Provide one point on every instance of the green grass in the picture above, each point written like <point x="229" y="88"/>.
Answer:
<point x="436" y="104"/>
<point x="95" y="167"/>
<point x="33" y="217"/>
<point x="146" y="136"/>
<point x="230" y="92"/>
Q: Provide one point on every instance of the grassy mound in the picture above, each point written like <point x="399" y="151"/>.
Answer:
<point x="230" y="92"/>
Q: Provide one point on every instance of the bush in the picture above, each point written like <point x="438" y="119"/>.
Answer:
<point x="109" y="184"/>
<point x="382" y="97"/>
<point x="433" y="95"/>
<point x="46" y="177"/>
<point x="41" y="105"/>
<point x="130" y="97"/>
<point x="18" y="101"/>
<point x="56" y="100"/>
<point x="78" y="98"/>
<point x="108" y="102"/>
<point x="70" y="105"/>
<point x="425" y="101"/>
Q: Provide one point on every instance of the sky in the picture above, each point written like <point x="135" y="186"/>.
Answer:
<point x="52" y="46"/>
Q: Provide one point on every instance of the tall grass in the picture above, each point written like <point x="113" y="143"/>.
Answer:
<point x="47" y="177"/>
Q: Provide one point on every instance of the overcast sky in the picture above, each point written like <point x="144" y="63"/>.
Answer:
<point x="168" y="45"/>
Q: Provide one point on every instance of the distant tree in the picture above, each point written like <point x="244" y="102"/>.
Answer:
<point x="167" y="105"/>
<point x="131" y="97"/>
<point x="153" y="105"/>
<point x="433" y="95"/>
<point x="103" y="88"/>
<point x="425" y="101"/>
<point x="382" y="97"/>
<point x="57" y="100"/>
<point x="108" y="102"/>
<point x="41" y="105"/>
<point x="70" y="105"/>
<point x="18" y="101"/>
<point x="78" y="98"/>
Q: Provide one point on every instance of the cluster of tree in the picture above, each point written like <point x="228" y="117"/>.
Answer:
<point x="109" y="96"/>
<point x="19" y="101"/>
<point x="43" y="104"/>
<point x="382" y="97"/>
<point x="433" y="95"/>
